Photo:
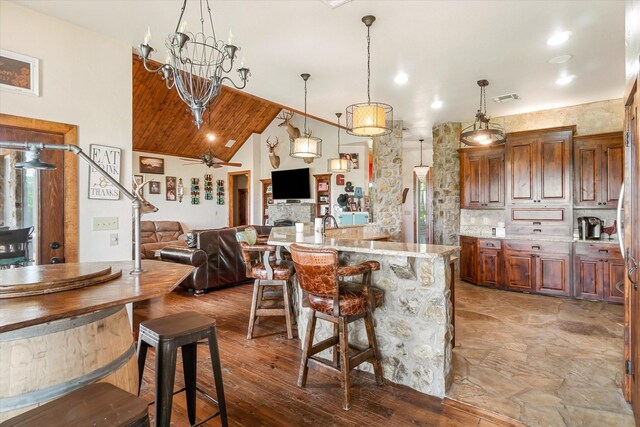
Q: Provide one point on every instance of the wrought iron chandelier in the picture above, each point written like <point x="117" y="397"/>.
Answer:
<point x="196" y="63"/>
<point x="306" y="146"/>
<point x="421" y="170"/>
<point x="482" y="132"/>
<point x="337" y="164"/>
<point x="369" y="118"/>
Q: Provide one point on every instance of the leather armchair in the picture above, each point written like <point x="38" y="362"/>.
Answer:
<point x="224" y="262"/>
<point x="197" y="281"/>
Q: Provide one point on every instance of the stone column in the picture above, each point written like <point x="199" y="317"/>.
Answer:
<point x="387" y="181"/>
<point x="446" y="183"/>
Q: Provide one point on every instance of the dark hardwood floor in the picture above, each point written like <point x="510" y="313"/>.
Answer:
<point x="260" y="377"/>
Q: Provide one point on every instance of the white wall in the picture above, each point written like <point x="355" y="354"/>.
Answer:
<point x="85" y="80"/>
<point x="329" y="135"/>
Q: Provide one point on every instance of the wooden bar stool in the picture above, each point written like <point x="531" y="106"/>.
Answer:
<point x="262" y="266"/>
<point x="166" y="334"/>
<point x="98" y="404"/>
<point x="340" y="303"/>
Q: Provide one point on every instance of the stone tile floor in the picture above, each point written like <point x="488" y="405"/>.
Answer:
<point x="543" y="360"/>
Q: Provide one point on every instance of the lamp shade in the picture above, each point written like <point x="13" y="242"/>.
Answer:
<point x="306" y="147"/>
<point x="357" y="193"/>
<point x="338" y="165"/>
<point x="421" y="172"/>
<point x="369" y="119"/>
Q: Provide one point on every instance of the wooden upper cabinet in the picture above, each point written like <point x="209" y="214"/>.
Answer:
<point x="598" y="167"/>
<point x="538" y="167"/>
<point x="482" y="177"/>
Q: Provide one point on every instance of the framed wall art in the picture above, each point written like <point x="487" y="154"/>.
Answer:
<point x="353" y="158"/>
<point x="139" y="179"/>
<point x="151" y="165"/>
<point x="171" y="188"/>
<point x="108" y="158"/>
<point x="19" y="73"/>
<point x="154" y="187"/>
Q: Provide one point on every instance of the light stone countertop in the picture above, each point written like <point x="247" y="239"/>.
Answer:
<point x="612" y="242"/>
<point x="285" y="236"/>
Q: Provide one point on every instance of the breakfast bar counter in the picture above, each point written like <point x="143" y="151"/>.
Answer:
<point x="414" y="324"/>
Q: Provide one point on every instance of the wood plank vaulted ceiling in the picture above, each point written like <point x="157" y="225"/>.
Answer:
<point x="162" y="123"/>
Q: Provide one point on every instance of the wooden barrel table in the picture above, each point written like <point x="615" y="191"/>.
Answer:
<point x="54" y="343"/>
<point x="43" y="362"/>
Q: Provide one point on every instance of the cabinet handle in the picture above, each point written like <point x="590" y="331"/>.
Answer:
<point x="537" y="223"/>
<point x="599" y="203"/>
<point x="604" y="203"/>
<point x="603" y="251"/>
<point x="537" y="230"/>
<point x="535" y="247"/>
<point x="490" y="245"/>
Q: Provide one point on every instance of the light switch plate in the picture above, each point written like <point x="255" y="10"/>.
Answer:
<point x="113" y="239"/>
<point x="105" y="223"/>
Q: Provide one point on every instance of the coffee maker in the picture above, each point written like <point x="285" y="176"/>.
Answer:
<point x="589" y="227"/>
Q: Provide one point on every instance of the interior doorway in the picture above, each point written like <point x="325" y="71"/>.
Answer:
<point x="46" y="200"/>
<point x="239" y="198"/>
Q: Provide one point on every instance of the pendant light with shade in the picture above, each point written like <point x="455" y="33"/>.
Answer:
<point x="306" y="146"/>
<point x="482" y="132"/>
<point x="338" y="164"/>
<point x="369" y="118"/>
<point x="421" y="170"/>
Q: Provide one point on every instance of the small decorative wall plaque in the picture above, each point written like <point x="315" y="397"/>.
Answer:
<point x="19" y="73"/>
<point x="220" y="191"/>
<point x="195" y="191"/>
<point x="108" y="158"/>
<point x="208" y="187"/>
<point x="154" y="187"/>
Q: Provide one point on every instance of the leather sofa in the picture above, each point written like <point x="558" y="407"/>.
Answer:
<point x="156" y="235"/>
<point x="224" y="263"/>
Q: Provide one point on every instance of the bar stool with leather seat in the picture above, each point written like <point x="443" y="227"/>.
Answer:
<point x="166" y="334"/>
<point x="268" y="272"/>
<point x="97" y="404"/>
<point x="339" y="302"/>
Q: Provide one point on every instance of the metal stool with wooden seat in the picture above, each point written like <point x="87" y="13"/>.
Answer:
<point x="262" y="265"/>
<point x="166" y="334"/>
<point x="340" y="303"/>
<point x="98" y="404"/>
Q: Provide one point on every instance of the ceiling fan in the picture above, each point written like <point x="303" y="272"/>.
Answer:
<point x="210" y="160"/>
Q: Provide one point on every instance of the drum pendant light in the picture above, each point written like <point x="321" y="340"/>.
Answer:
<point x="482" y="132"/>
<point x="369" y="118"/>
<point x="338" y="164"/>
<point x="306" y="146"/>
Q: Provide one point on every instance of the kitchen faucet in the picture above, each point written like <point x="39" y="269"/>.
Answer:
<point x="324" y="222"/>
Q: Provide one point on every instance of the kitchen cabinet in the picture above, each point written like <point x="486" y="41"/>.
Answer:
<point x="598" y="167"/>
<point x="468" y="258"/>
<point x="482" y="177"/>
<point x="489" y="263"/>
<point x="597" y="270"/>
<point x="538" y="165"/>
<point x="541" y="267"/>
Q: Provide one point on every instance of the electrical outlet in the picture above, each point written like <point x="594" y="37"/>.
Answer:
<point x="105" y="223"/>
<point x="113" y="239"/>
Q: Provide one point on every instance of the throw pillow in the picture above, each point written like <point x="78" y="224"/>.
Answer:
<point x="249" y="236"/>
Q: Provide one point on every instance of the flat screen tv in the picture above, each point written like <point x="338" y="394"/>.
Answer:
<point x="291" y="184"/>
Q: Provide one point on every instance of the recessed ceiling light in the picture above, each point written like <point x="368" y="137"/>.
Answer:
<point x="559" y="38"/>
<point x="401" y="78"/>
<point x="211" y="137"/>
<point x="565" y="80"/>
<point x="560" y="59"/>
<point x="437" y="104"/>
<point x="335" y="3"/>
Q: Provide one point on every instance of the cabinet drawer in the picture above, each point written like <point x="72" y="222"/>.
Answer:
<point x="538" y="247"/>
<point x="597" y="250"/>
<point x="489" y="244"/>
<point x="539" y="215"/>
<point x="540" y="230"/>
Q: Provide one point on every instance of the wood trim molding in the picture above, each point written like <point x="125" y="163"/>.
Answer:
<point x="572" y="128"/>
<point x="230" y="178"/>
<point x="71" y="200"/>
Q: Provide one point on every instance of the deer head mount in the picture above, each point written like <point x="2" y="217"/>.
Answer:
<point x="291" y="130"/>
<point x="145" y="207"/>
<point x="273" y="158"/>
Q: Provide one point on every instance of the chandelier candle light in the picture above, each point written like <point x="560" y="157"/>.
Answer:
<point x="306" y="146"/>
<point x="369" y="118"/>
<point x="421" y="170"/>
<point x="482" y="132"/>
<point x="195" y="63"/>
<point x="338" y="164"/>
